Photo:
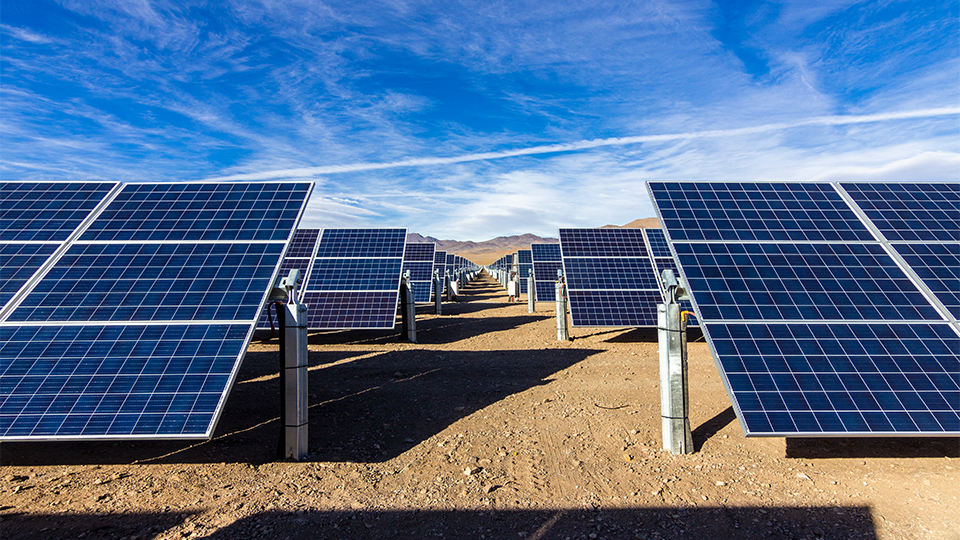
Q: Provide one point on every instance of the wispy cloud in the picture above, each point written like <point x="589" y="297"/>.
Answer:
<point x="305" y="172"/>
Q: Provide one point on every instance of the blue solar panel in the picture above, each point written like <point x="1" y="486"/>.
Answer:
<point x="419" y="251"/>
<point x="610" y="277"/>
<point x="612" y="273"/>
<point x="354" y="277"/>
<point x="47" y="211"/>
<point x="842" y="378"/>
<point x="602" y="243"/>
<point x="153" y="282"/>
<point x="817" y="337"/>
<point x="200" y="211"/>
<point x="657" y="242"/>
<point x="793" y="281"/>
<point x="613" y="308"/>
<point x="938" y="265"/>
<point x="911" y="212"/>
<point x="756" y="211"/>
<point x="18" y="262"/>
<point x="181" y="314"/>
<point x="440" y="265"/>
<point x="121" y="380"/>
<point x="353" y="309"/>
<point x="546" y="262"/>
<point x="418" y="259"/>
<point x="362" y="243"/>
<point x="304" y="243"/>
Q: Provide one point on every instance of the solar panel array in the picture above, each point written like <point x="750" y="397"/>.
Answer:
<point x="831" y="309"/>
<point x="355" y="279"/>
<point x="136" y="324"/>
<point x="610" y="278"/>
<point x="299" y="256"/>
<point x="440" y="266"/>
<point x="546" y="262"/>
<point x="418" y="259"/>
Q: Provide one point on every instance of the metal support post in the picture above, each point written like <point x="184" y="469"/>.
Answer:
<point x="437" y="293"/>
<point x="293" y="372"/>
<point x="531" y="293"/>
<point x="560" y="288"/>
<point x="674" y="401"/>
<point x="408" y="309"/>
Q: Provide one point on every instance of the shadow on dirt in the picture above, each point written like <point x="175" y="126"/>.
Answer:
<point x="609" y="524"/>
<point x="711" y="427"/>
<point x="873" y="447"/>
<point x="364" y="407"/>
<point x="17" y="526"/>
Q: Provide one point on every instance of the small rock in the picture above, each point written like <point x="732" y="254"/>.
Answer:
<point x="398" y="374"/>
<point x="720" y="484"/>
<point x="801" y="475"/>
<point x="408" y="439"/>
<point x="470" y="471"/>
<point x="490" y="488"/>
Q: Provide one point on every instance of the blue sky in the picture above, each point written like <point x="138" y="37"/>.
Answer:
<point x="474" y="120"/>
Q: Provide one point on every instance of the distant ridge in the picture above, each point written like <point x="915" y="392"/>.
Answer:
<point x="489" y="251"/>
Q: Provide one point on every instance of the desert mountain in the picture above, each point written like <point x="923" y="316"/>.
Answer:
<point x="488" y="251"/>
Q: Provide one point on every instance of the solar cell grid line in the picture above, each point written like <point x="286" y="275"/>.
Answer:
<point x="610" y="278"/>
<point x="304" y="244"/>
<point x="355" y="279"/>
<point x="140" y="337"/>
<point x="18" y="263"/>
<point x="816" y="337"/>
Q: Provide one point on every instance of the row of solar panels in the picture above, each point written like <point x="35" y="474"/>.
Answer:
<point x="351" y="277"/>
<point x="126" y="309"/>
<point x="613" y="276"/>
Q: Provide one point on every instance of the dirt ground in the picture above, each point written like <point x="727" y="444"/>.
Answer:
<point x="488" y="428"/>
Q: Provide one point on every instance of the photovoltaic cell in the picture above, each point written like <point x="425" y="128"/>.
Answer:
<point x="657" y="242"/>
<point x="153" y="282"/>
<point x="792" y="281"/>
<point x="525" y="266"/>
<point x="939" y="267"/>
<point x="910" y="212"/>
<point x="303" y="245"/>
<point x="610" y="277"/>
<point x="18" y="262"/>
<point x="355" y="276"/>
<point x="546" y="262"/>
<point x="199" y="211"/>
<point x="47" y="211"/>
<point x="816" y="335"/>
<point x="418" y="260"/>
<point x="130" y="380"/>
<point x="756" y="212"/>
<point x="180" y="312"/>
<point x="373" y="243"/>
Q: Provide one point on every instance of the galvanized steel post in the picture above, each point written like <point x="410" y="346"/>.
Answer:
<point x="674" y="401"/>
<point x="531" y="293"/>
<point x="293" y="376"/>
<point x="560" y="289"/>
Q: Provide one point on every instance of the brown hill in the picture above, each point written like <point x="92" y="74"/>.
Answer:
<point x="488" y="251"/>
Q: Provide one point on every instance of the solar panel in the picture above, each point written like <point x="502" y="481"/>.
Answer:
<point x="610" y="278"/>
<point x="355" y="279"/>
<point x="47" y="211"/>
<point x="546" y="262"/>
<point x="657" y="243"/>
<point x="418" y="259"/>
<point x="525" y="266"/>
<point x="440" y="265"/>
<point x="819" y="326"/>
<point x="137" y="330"/>
<point x="18" y="263"/>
